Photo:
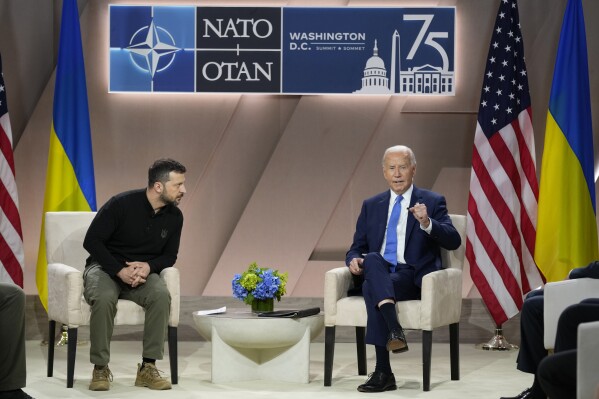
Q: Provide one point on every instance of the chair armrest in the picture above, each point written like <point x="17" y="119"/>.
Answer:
<point x="172" y="278"/>
<point x="336" y="283"/>
<point x="558" y="296"/>
<point x="587" y="379"/>
<point x="441" y="298"/>
<point x="65" y="292"/>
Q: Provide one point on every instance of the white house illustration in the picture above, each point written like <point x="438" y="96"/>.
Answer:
<point x="426" y="79"/>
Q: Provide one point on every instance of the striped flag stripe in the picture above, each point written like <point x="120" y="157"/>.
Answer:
<point x="9" y="199"/>
<point x="496" y="186"/>
<point x="12" y="258"/>
<point x="6" y="143"/>
<point x="496" y="245"/>
<point x="10" y="262"/>
<point x="482" y="283"/>
<point x="505" y="245"/>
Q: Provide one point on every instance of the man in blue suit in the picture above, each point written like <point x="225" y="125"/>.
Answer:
<point x="397" y="241"/>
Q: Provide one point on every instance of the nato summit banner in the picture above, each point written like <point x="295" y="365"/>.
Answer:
<point x="282" y="50"/>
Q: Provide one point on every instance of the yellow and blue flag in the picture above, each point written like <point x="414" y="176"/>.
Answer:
<point x="70" y="184"/>
<point x="567" y="227"/>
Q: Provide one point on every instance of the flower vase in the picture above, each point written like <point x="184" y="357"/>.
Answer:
<point x="263" y="305"/>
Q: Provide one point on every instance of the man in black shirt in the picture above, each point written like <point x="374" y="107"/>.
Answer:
<point x="133" y="237"/>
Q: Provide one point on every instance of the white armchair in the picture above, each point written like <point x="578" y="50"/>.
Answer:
<point x="558" y="296"/>
<point x="440" y="305"/>
<point x="587" y="359"/>
<point x="66" y="257"/>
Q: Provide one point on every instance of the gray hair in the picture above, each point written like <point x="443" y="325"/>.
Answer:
<point x="400" y="148"/>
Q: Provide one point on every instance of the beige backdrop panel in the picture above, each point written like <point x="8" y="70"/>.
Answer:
<point x="273" y="179"/>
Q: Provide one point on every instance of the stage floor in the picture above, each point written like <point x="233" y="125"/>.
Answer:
<point x="483" y="374"/>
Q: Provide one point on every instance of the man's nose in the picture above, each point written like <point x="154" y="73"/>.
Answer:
<point x="182" y="189"/>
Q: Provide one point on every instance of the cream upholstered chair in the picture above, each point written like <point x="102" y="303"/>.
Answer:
<point x="558" y="296"/>
<point x="587" y="359"/>
<point x="440" y="305"/>
<point x="66" y="257"/>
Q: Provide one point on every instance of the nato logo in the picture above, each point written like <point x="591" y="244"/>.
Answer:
<point x="152" y="49"/>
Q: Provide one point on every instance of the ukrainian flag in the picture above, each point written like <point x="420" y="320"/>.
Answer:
<point x="567" y="227"/>
<point x="70" y="184"/>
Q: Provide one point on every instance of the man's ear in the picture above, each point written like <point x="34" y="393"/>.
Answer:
<point x="158" y="187"/>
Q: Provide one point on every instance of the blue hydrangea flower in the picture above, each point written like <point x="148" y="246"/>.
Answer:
<point x="269" y="285"/>
<point x="258" y="283"/>
<point x="238" y="291"/>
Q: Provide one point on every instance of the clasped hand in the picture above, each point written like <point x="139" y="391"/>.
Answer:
<point x="135" y="273"/>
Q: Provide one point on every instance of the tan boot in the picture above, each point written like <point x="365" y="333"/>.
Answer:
<point x="101" y="379"/>
<point x="149" y="376"/>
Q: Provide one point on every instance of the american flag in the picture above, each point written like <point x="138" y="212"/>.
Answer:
<point x="502" y="205"/>
<point x="12" y="259"/>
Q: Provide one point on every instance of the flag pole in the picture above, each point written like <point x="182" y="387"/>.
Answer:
<point x="498" y="342"/>
<point x="64" y="337"/>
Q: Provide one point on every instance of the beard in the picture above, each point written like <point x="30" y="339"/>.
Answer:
<point x="166" y="200"/>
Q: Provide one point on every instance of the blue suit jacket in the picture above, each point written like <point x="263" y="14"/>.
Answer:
<point x="591" y="270"/>
<point x="422" y="251"/>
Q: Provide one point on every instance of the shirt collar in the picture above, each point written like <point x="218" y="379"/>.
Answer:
<point x="150" y="208"/>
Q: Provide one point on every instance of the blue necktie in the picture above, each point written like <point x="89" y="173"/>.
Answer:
<point x="390" y="254"/>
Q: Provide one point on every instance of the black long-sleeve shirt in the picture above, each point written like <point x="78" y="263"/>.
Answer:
<point x="126" y="229"/>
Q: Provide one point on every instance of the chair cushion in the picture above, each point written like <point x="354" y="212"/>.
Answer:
<point x="351" y="311"/>
<point x="410" y="314"/>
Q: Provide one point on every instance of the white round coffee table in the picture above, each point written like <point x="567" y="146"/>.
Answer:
<point x="247" y="347"/>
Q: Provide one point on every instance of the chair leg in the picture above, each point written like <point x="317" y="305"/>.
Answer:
<point x="51" y="332"/>
<point x="173" y="354"/>
<point x="427" y="346"/>
<point x="454" y="350"/>
<point x="71" y="352"/>
<point x="361" y="349"/>
<point x="329" y="352"/>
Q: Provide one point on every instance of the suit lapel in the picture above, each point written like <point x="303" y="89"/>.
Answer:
<point x="382" y="209"/>
<point x="411" y="224"/>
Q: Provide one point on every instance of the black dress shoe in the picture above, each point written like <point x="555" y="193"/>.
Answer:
<point x="526" y="394"/>
<point x="396" y="341"/>
<point x="379" y="382"/>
